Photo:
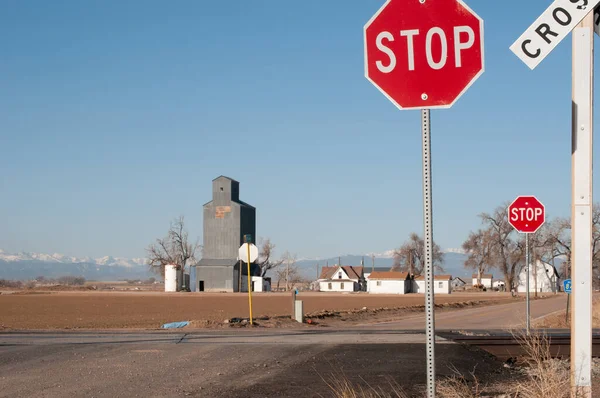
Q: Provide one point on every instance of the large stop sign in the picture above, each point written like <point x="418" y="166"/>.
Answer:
<point x="424" y="53"/>
<point x="526" y="214"/>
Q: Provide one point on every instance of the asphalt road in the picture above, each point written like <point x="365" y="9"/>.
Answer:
<point x="253" y="363"/>
<point x="244" y="363"/>
<point x="502" y="316"/>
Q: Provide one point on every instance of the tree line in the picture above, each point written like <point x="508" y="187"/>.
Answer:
<point x="177" y="249"/>
<point x="494" y="245"/>
<point x="497" y="245"/>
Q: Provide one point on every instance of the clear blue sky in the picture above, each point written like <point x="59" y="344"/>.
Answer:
<point x="115" y="117"/>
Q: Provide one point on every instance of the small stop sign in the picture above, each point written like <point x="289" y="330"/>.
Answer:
<point x="526" y="214"/>
<point x="423" y="53"/>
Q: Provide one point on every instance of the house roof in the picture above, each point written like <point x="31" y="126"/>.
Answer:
<point x="222" y="176"/>
<point x="459" y="279"/>
<point x="392" y="275"/>
<point x="435" y="277"/>
<point x="351" y="271"/>
<point x="485" y="276"/>
<point x="369" y="270"/>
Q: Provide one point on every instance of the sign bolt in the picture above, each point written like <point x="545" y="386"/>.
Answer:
<point x="422" y="1"/>
<point x="424" y="96"/>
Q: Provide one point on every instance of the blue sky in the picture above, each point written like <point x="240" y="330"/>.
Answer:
<point x="116" y="116"/>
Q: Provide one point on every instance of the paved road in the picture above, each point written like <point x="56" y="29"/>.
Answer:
<point x="492" y="317"/>
<point x="232" y="364"/>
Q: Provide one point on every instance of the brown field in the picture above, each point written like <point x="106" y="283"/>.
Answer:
<point x="115" y="310"/>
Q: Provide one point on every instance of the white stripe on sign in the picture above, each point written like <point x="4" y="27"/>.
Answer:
<point x="550" y="28"/>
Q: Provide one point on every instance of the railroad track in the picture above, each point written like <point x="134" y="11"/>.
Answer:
<point x="504" y="346"/>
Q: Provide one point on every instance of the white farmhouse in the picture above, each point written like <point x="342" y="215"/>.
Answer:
<point x="338" y="278"/>
<point x="441" y="284"/>
<point x="389" y="282"/>
<point x="486" y="280"/>
<point x="543" y="278"/>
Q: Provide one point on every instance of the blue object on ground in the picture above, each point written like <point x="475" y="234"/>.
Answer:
<point x="175" y="325"/>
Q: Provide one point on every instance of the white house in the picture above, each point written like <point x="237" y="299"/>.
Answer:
<point x="389" y="282"/>
<point x="441" y="284"/>
<point x="543" y="278"/>
<point x="338" y="278"/>
<point x="486" y="280"/>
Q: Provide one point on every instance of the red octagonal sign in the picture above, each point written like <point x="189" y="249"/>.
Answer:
<point x="526" y="214"/>
<point x="424" y="53"/>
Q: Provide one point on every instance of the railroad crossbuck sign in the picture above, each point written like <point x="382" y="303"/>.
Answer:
<point x="423" y="53"/>
<point x="526" y="214"/>
<point x="550" y="28"/>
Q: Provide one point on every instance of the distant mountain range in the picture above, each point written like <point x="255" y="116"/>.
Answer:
<point x="31" y="265"/>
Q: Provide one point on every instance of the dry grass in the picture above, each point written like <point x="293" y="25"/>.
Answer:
<point x="342" y="387"/>
<point x="459" y="386"/>
<point x="545" y="377"/>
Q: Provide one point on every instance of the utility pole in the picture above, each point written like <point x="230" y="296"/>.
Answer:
<point x="581" y="207"/>
<point x="287" y="273"/>
<point x="373" y="263"/>
<point x="318" y="271"/>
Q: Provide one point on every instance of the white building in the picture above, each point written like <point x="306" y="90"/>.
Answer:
<point x="543" y="278"/>
<point x="458" y="283"/>
<point x="441" y="284"/>
<point x="486" y="280"/>
<point x="499" y="284"/>
<point x="389" y="282"/>
<point x="259" y="284"/>
<point x="338" y="278"/>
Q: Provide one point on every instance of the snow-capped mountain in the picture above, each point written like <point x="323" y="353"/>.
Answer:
<point x="60" y="258"/>
<point x="25" y="266"/>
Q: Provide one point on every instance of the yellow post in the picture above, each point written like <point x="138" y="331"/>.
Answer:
<point x="249" y="283"/>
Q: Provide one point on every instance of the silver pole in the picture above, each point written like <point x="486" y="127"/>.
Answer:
<point x="528" y="273"/>
<point x="428" y="243"/>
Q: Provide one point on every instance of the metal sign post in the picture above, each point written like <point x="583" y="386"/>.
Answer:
<point x="581" y="216"/>
<point x="528" y="273"/>
<point x="428" y="243"/>
<point x="527" y="214"/>
<point x="248" y="251"/>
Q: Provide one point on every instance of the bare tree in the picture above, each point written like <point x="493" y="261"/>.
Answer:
<point x="558" y="237"/>
<point x="507" y="253"/>
<point x="410" y="257"/>
<point x="479" y="246"/>
<point x="289" y="272"/>
<point x="174" y="249"/>
<point x="265" y="260"/>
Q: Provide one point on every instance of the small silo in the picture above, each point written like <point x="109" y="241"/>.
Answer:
<point x="170" y="278"/>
